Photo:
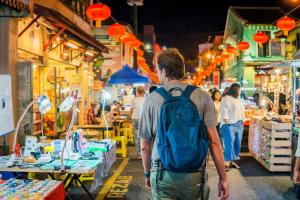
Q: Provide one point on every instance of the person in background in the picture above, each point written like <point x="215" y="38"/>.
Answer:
<point x="115" y="108"/>
<point x="107" y="118"/>
<point x="91" y="116"/>
<point x="232" y="117"/>
<point x="216" y="96"/>
<point x="135" y="113"/>
<point x="225" y="92"/>
<point x="167" y="184"/>
<point x="152" y="89"/>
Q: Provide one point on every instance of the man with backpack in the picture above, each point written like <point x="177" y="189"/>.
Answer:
<point x="177" y="127"/>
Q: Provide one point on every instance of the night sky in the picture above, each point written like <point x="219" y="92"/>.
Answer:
<point x="185" y="24"/>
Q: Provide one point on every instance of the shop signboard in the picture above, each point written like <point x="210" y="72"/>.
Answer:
<point x="135" y="2"/>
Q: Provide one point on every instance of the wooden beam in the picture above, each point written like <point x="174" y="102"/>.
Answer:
<point x="30" y="24"/>
<point x="53" y="38"/>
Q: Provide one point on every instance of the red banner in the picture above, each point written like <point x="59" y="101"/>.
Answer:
<point x="216" y="78"/>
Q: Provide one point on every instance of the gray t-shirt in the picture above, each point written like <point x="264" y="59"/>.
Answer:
<point x="151" y="112"/>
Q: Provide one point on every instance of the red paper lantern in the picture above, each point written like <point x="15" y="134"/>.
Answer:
<point x="140" y="53"/>
<point x="129" y="37"/>
<point x="156" y="48"/>
<point x="116" y="30"/>
<point x="286" y="24"/>
<point x="231" y="49"/>
<point x="243" y="46"/>
<point x="98" y="12"/>
<point x="135" y="43"/>
<point x="141" y="61"/>
<point x="260" y="38"/>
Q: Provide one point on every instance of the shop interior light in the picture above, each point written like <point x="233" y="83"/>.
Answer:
<point x="164" y="47"/>
<point x="277" y="71"/>
<point x="88" y="53"/>
<point x="148" y="47"/>
<point x="106" y="95"/>
<point x="71" y="45"/>
<point x="58" y="39"/>
<point x="208" y="55"/>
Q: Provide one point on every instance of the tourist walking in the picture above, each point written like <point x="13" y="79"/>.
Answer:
<point x="174" y="139"/>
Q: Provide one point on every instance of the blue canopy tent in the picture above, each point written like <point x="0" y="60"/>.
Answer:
<point x="127" y="76"/>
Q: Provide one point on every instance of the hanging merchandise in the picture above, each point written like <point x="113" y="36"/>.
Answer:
<point x="98" y="12"/>
<point x="260" y="38"/>
<point x="116" y="31"/>
<point x="243" y="46"/>
<point x="286" y="24"/>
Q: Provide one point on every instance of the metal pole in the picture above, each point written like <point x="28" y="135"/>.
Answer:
<point x="135" y="21"/>
<point x="294" y="95"/>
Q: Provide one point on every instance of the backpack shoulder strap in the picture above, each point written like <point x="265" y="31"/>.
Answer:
<point x="163" y="92"/>
<point x="188" y="91"/>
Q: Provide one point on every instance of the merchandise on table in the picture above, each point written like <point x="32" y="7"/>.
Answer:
<point x="18" y="189"/>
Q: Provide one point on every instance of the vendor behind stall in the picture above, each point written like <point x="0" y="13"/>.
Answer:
<point x="90" y="115"/>
<point x="115" y="109"/>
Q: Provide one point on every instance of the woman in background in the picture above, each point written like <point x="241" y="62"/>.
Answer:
<point x="216" y="96"/>
<point x="232" y="117"/>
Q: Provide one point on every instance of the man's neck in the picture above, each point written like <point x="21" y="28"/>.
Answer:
<point x="169" y="81"/>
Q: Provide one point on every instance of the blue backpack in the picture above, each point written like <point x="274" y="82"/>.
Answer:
<point x="182" y="139"/>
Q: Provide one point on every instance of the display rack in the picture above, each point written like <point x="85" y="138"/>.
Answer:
<point x="271" y="144"/>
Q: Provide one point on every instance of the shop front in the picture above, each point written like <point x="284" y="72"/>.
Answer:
<point x="58" y="61"/>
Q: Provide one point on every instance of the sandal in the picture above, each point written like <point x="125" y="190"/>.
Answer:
<point x="234" y="165"/>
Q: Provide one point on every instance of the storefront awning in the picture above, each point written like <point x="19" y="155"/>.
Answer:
<point x="60" y="21"/>
<point x="127" y="76"/>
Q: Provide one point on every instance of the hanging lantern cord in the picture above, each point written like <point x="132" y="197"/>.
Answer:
<point x="286" y="14"/>
<point x="114" y="19"/>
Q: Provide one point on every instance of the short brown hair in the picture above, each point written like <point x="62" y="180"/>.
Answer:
<point x="140" y="90"/>
<point x="173" y="62"/>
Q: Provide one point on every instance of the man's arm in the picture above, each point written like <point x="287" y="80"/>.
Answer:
<point x="217" y="155"/>
<point x="146" y="154"/>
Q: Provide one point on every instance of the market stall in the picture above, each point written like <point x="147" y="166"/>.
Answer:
<point x="271" y="129"/>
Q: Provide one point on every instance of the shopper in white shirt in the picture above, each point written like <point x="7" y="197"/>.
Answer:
<point x="136" y="110"/>
<point x="232" y="117"/>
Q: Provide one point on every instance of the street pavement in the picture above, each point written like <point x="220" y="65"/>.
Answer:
<point x="251" y="182"/>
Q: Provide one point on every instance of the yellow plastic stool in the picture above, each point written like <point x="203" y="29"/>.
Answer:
<point x="110" y="133"/>
<point x="122" y="149"/>
<point x="130" y="134"/>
